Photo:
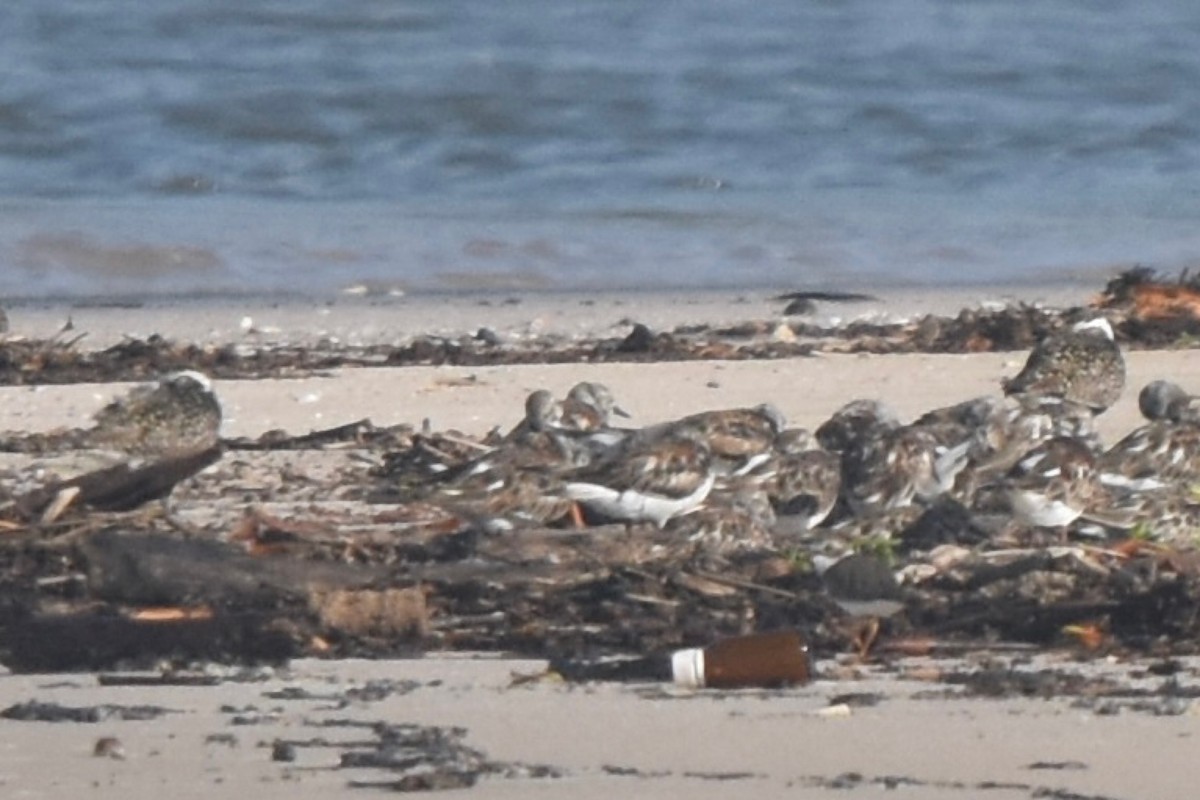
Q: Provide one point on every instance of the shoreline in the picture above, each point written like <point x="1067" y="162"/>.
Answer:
<point x="518" y="314"/>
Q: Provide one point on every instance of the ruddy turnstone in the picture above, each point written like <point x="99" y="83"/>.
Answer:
<point x="513" y="467"/>
<point x="513" y="496"/>
<point x="888" y="470"/>
<point x="511" y="483"/>
<point x="1051" y="485"/>
<point x="955" y="424"/>
<point x="855" y="421"/>
<point x="1019" y="425"/>
<point x="738" y="439"/>
<point x="178" y="414"/>
<point x="648" y="478"/>
<point x="1170" y="515"/>
<point x="1154" y="455"/>
<point x="972" y="436"/>
<point x="1083" y="364"/>
<point x="589" y="406"/>
<point x="1062" y="416"/>
<point x="739" y="520"/>
<point x="803" y="487"/>
<point x="542" y="412"/>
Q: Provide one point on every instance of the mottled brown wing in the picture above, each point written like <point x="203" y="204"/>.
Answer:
<point x="815" y="474"/>
<point x="669" y="465"/>
<point x="1042" y="373"/>
<point x="1161" y="450"/>
<point x="740" y="433"/>
<point x="1060" y="460"/>
<point x="886" y="472"/>
<point x="1082" y="367"/>
<point x="172" y="417"/>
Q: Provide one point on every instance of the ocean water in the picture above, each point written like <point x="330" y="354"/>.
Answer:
<point x="306" y="146"/>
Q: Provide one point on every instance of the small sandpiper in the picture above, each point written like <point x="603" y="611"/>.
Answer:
<point x="864" y="587"/>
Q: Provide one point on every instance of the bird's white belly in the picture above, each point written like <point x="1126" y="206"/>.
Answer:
<point x="634" y="505"/>
<point x="1037" y="509"/>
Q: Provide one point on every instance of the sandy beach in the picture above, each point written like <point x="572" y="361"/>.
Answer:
<point x="915" y="741"/>
<point x="916" y="738"/>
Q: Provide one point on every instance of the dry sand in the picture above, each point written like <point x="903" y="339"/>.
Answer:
<point x="703" y="745"/>
<point x="476" y="399"/>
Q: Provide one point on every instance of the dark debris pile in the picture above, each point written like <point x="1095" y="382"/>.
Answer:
<point x="323" y="574"/>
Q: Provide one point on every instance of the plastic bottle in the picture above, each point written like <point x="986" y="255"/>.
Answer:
<point x="761" y="659"/>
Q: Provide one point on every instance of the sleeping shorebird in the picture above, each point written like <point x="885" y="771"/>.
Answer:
<point x="892" y="468"/>
<point x="854" y="422"/>
<point x="1156" y="455"/>
<point x="1083" y="364"/>
<point x="510" y="497"/>
<point x="800" y="479"/>
<point x="738" y="439"/>
<point x="804" y="487"/>
<point x="1169" y="515"/>
<point x="177" y="414"/>
<point x="1051" y="485"/>
<point x="648" y="478"/>
<point x="738" y="521"/>
<point x="1005" y="430"/>
<point x="1167" y="401"/>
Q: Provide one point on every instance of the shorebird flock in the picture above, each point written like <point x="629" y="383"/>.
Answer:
<point x="1026" y="459"/>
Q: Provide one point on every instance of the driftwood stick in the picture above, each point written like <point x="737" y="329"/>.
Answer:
<point x="739" y="583"/>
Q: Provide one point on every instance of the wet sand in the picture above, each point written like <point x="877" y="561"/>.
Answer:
<point x="602" y="738"/>
<point x="355" y="320"/>
<point x="918" y="740"/>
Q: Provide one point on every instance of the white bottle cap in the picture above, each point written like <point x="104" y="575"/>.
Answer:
<point x="687" y="667"/>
